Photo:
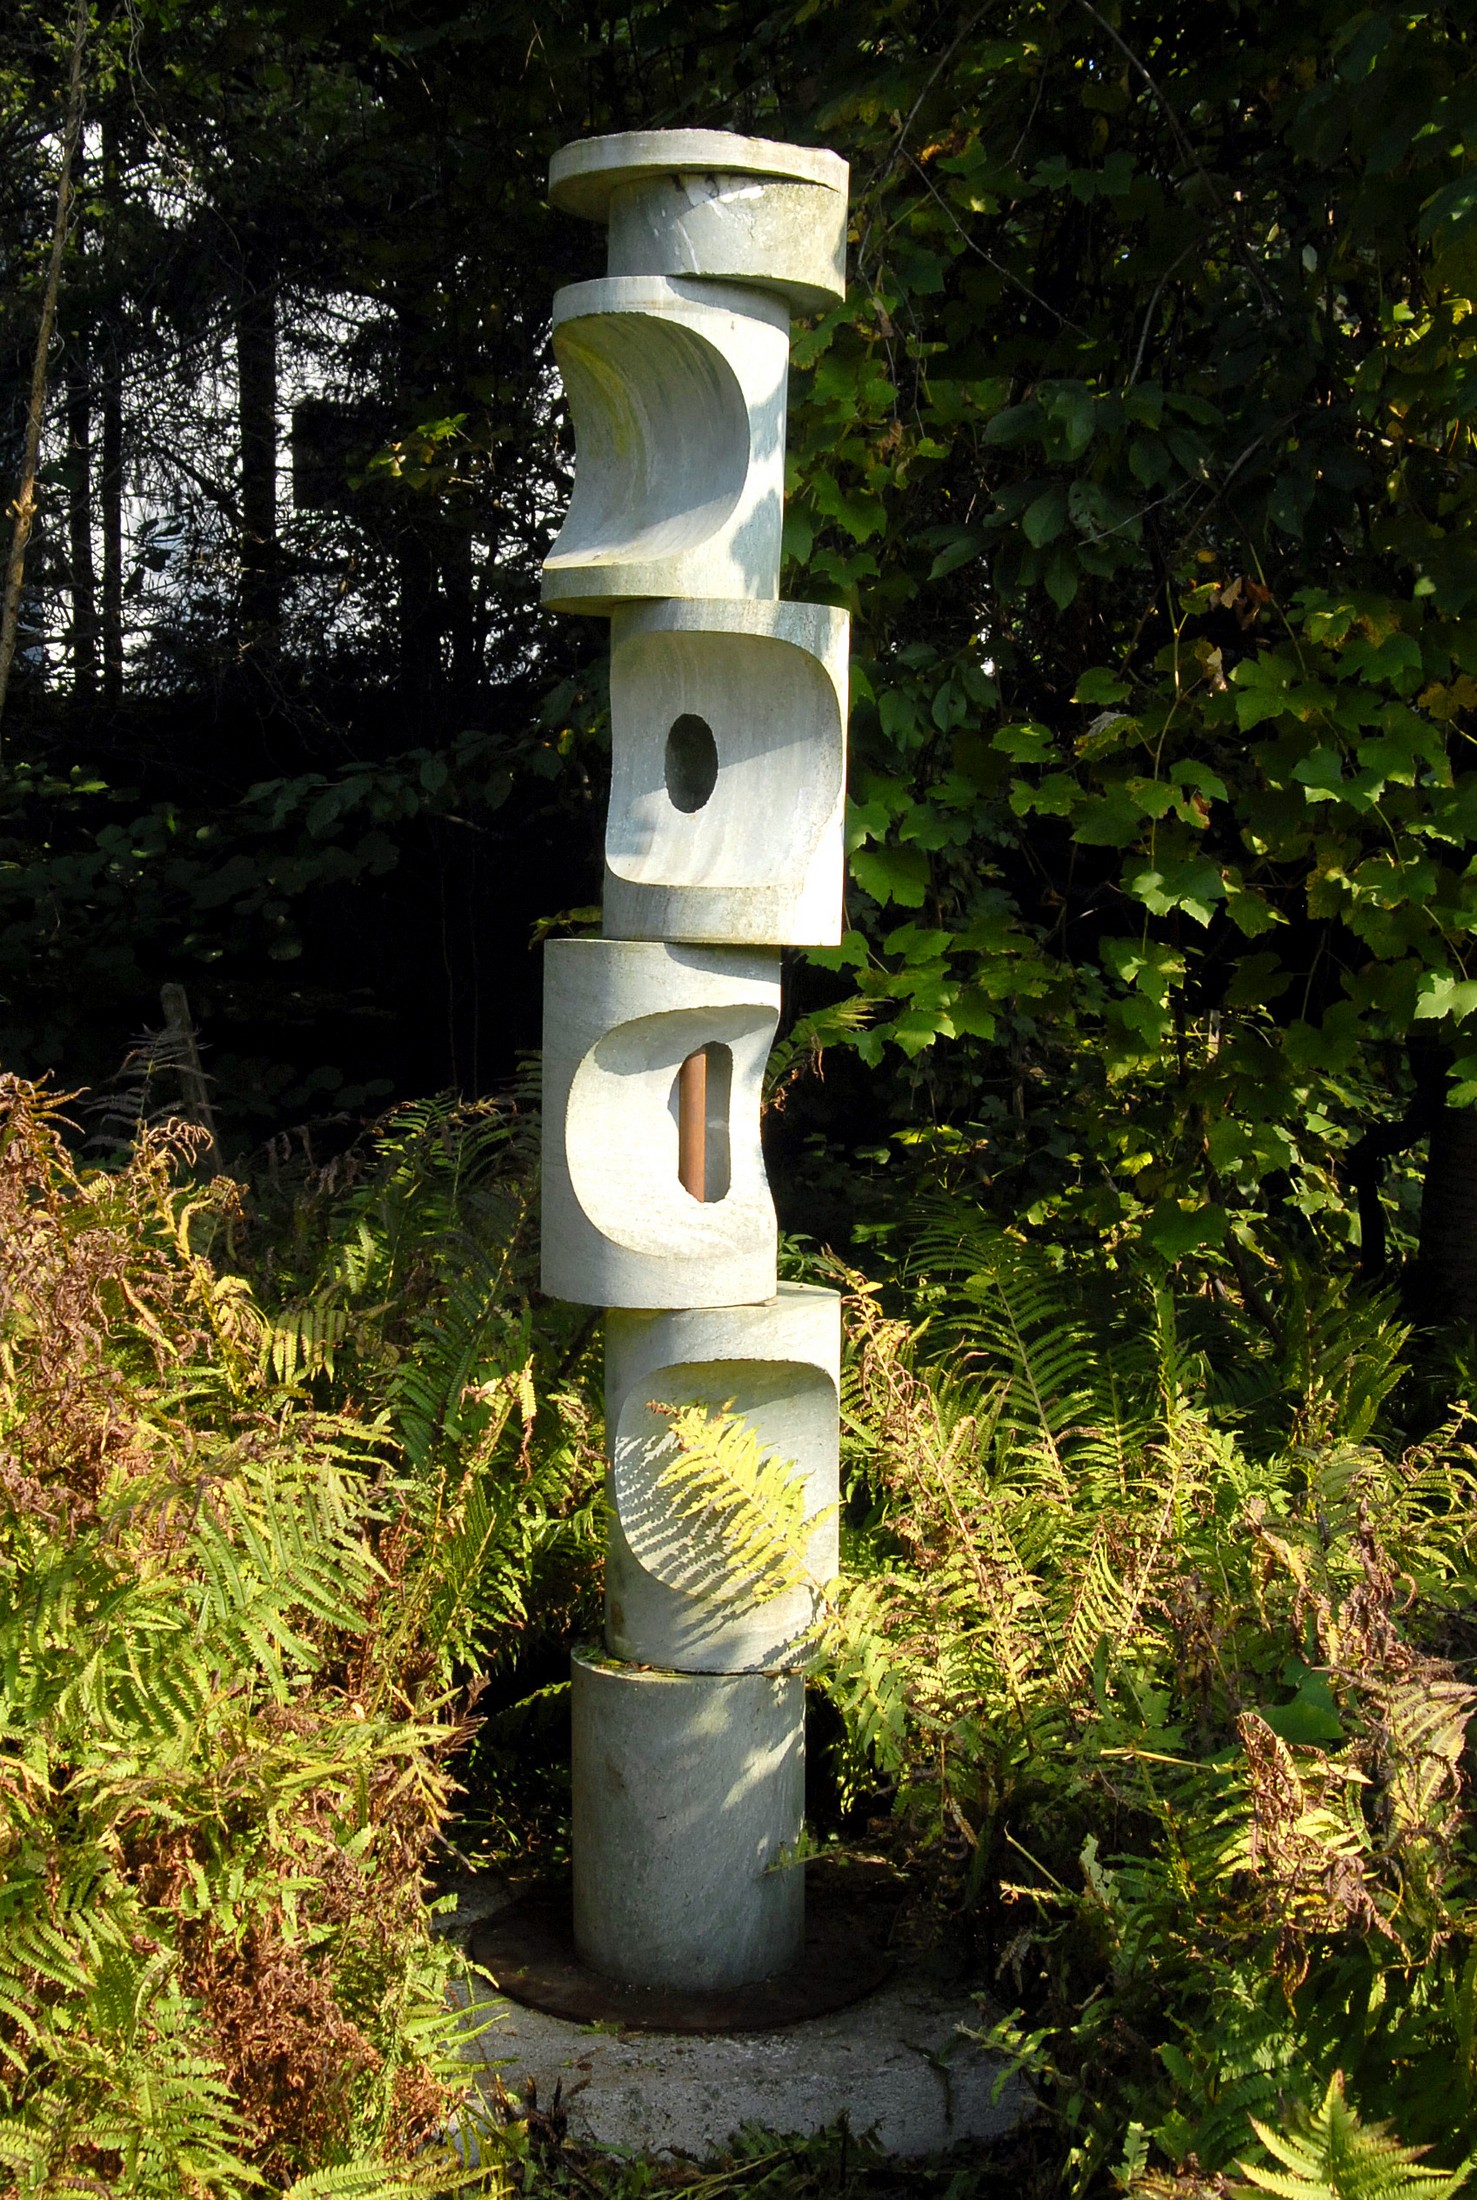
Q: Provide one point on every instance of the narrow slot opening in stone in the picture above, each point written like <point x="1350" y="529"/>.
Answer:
<point x="691" y="762"/>
<point x="701" y="1097"/>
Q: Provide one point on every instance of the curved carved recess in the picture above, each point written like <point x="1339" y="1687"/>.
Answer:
<point x="671" y="1596"/>
<point x="759" y="859"/>
<point x="620" y="1018"/>
<point x="678" y="398"/>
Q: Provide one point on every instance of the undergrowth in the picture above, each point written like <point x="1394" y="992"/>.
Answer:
<point x="1152" y="1652"/>
<point x="241" y="1601"/>
<point x="1163" y="1647"/>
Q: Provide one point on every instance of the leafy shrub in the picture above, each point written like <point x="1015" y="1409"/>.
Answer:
<point x="1165" y="1659"/>
<point x="226" y="1719"/>
<point x="401" y="1275"/>
<point x="1335" y="2157"/>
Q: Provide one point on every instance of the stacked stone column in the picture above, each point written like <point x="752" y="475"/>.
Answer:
<point x="723" y="845"/>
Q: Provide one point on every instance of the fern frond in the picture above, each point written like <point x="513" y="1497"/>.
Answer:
<point x="735" y="1526"/>
<point x="306" y="1340"/>
<point x="443" y="2171"/>
<point x="864" y="1676"/>
<point x="1333" y="2156"/>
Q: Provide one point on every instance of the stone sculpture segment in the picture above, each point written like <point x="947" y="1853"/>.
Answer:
<point x="728" y="773"/>
<point x="688" y="1791"/>
<point x="678" y="395"/>
<point x="671" y="1598"/>
<point x="620" y="1018"/>
<point x="704" y="203"/>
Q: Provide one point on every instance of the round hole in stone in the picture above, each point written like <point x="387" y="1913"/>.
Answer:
<point x="691" y="762"/>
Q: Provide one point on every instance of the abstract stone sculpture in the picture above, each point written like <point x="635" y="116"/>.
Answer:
<point x="620" y="1019"/>
<point x="669" y="1597"/>
<point x="728" y="773"/>
<point x="723" y="844"/>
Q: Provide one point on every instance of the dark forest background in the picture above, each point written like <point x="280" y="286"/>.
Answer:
<point x="1141" y="454"/>
<point x="1138" y="1104"/>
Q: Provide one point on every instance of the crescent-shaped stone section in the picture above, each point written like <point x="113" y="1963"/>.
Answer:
<point x="619" y="1228"/>
<point x="583" y="175"/>
<point x="678" y="395"/>
<point x="728" y="773"/>
<point x="671" y="1596"/>
<point x="709" y="204"/>
<point x="688" y="1790"/>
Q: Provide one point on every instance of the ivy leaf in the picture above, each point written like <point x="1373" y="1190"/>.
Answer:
<point x="1312" y="1715"/>
<point x="893" y="874"/>
<point x="1017" y="424"/>
<point x="1193" y="884"/>
<point x="1026" y="743"/>
<point x="1045" y="519"/>
<point x="1440" y="994"/>
<point x="1176" y="1228"/>
<point x="1062" y="579"/>
<point x="965" y="546"/>
<point x="1099" y="685"/>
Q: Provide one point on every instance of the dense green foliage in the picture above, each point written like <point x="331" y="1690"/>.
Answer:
<point x="233" y="1646"/>
<point x="1149" y="1657"/>
<point x="1141" y="454"/>
<point x="1162" y="1639"/>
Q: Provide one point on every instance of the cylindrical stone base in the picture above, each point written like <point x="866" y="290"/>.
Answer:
<point x="687" y="1787"/>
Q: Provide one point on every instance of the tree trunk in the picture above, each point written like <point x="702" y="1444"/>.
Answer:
<point x="111" y="498"/>
<point x="256" y="381"/>
<point x="24" y="506"/>
<point x="82" y="571"/>
<point x="420" y="622"/>
<point x="108" y="369"/>
<point x="419" y="668"/>
<point x="1446" y="1272"/>
<point x="458" y="608"/>
<point x="184" y="1051"/>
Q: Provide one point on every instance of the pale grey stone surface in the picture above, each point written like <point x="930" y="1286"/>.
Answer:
<point x="785" y="237"/>
<point x="678" y="390"/>
<point x="669" y="1597"/>
<point x="729" y="714"/>
<point x="759" y="861"/>
<point x="582" y="176"/>
<point x="893" y="2065"/>
<point x="618" y="1228"/>
<point x="687" y="1788"/>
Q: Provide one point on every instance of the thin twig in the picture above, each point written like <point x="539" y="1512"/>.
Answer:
<point x="1062" y="319"/>
<point x="911" y="117"/>
<point x="1138" y="357"/>
<point x="1187" y="150"/>
<point x="24" y="506"/>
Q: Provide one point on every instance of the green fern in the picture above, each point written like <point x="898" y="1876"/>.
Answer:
<point x="1333" y="2156"/>
<point x="735" y="1528"/>
<point x="223" y="1750"/>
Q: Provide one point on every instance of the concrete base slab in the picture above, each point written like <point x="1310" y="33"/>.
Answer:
<point x="528" y="1952"/>
<point x="893" y="2065"/>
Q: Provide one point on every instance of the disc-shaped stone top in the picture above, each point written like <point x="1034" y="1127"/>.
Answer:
<point x="583" y="176"/>
<point x="706" y="204"/>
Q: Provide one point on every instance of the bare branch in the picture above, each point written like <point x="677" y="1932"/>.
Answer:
<point x="24" y="506"/>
